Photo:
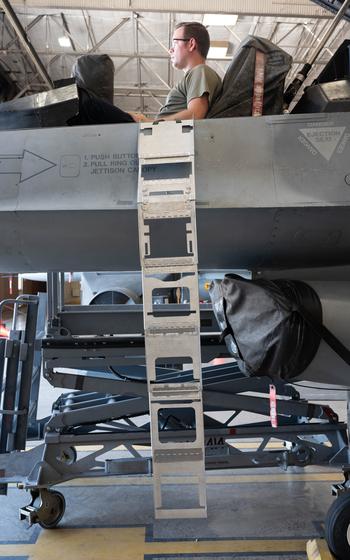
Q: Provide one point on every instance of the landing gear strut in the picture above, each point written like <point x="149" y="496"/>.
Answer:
<point x="46" y="508"/>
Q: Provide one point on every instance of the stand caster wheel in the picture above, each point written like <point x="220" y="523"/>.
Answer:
<point x="46" y="508"/>
<point x="338" y="527"/>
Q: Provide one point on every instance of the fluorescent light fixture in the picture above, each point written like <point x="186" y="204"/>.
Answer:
<point x="218" y="49"/>
<point x="220" y="19"/>
<point x="64" y="41"/>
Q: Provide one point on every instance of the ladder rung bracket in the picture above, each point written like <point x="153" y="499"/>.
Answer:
<point x="166" y="188"/>
<point x="165" y="196"/>
<point x="179" y="456"/>
<point x="169" y="263"/>
<point x="166" y="325"/>
<point x="161" y="392"/>
<point x="168" y="193"/>
<point x="173" y="329"/>
<point x="152" y="270"/>
<point x="185" y="386"/>
<point x="162" y="211"/>
<point x="171" y="138"/>
<point x="177" y="386"/>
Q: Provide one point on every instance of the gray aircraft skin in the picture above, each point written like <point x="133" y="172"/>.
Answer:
<point x="272" y="193"/>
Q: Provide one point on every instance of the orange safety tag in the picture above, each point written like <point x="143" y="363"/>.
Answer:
<point x="273" y="407"/>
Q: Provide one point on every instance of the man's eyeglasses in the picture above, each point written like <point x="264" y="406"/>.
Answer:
<point x="174" y="41"/>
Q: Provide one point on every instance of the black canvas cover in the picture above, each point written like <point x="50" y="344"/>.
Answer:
<point x="237" y="88"/>
<point x="262" y="325"/>
<point x="95" y="74"/>
<point x="93" y="110"/>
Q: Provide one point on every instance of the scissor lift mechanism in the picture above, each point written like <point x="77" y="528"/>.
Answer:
<point x="107" y="401"/>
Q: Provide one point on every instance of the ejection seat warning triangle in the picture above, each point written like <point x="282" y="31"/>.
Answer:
<point x="27" y="165"/>
<point x="324" y="139"/>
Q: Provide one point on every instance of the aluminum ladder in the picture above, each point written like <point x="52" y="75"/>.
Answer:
<point x="168" y="246"/>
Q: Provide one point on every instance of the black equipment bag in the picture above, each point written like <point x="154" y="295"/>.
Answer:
<point x="272" y="328"/>
<point x="263" y="326"/>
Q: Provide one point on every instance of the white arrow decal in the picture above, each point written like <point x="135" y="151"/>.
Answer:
<point x="325" y="139"/>
<point x="27" y="165"/>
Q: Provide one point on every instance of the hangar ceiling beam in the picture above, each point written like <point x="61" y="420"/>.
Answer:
<point x="154" y="38"/>
<point x="66" y="27"/>
<point x="61" y="22"/>
<point x="27" y="46"/>
<point x="109" y="34"/>
<point x="150" y="56"/>
<point x="89" y="28"/>
<point x="28" y="28"/>
<point x="292" y="8"/>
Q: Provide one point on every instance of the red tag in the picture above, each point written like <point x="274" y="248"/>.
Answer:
<point x="273" y="406"/>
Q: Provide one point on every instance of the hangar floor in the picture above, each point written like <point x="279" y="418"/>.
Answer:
<point x="256" y="514"/>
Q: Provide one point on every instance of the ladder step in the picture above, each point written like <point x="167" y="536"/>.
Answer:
<point x="166" y="393"/>
<point x="178" y="455"/>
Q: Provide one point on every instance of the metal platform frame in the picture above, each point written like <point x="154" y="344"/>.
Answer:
<point x="107" y="401"/>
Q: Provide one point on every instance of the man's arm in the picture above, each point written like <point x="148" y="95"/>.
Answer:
<point x="197" y="108"/>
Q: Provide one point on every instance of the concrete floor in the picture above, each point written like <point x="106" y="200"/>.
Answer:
<point x="261" y="514"/>
<point x="256" y="514"/>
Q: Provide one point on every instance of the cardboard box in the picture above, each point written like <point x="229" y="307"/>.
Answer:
<point x="72" y="293"/>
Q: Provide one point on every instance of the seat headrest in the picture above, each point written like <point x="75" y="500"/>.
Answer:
<point x="95" y="74"/>
<point x="237" y="86"/>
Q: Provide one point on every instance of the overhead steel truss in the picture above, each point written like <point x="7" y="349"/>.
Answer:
<point x="150" y="79"/>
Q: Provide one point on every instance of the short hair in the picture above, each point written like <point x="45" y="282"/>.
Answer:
<point x="199" y="32"/>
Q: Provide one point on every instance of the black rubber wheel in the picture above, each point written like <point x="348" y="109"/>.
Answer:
<point x="338" y="527"/>
<point x="52" y="508"/>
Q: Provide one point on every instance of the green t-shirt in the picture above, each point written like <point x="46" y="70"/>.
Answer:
<point x="199" y="80"/>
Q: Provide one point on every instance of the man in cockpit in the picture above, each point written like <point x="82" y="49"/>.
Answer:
<point x="189" y="99"/>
